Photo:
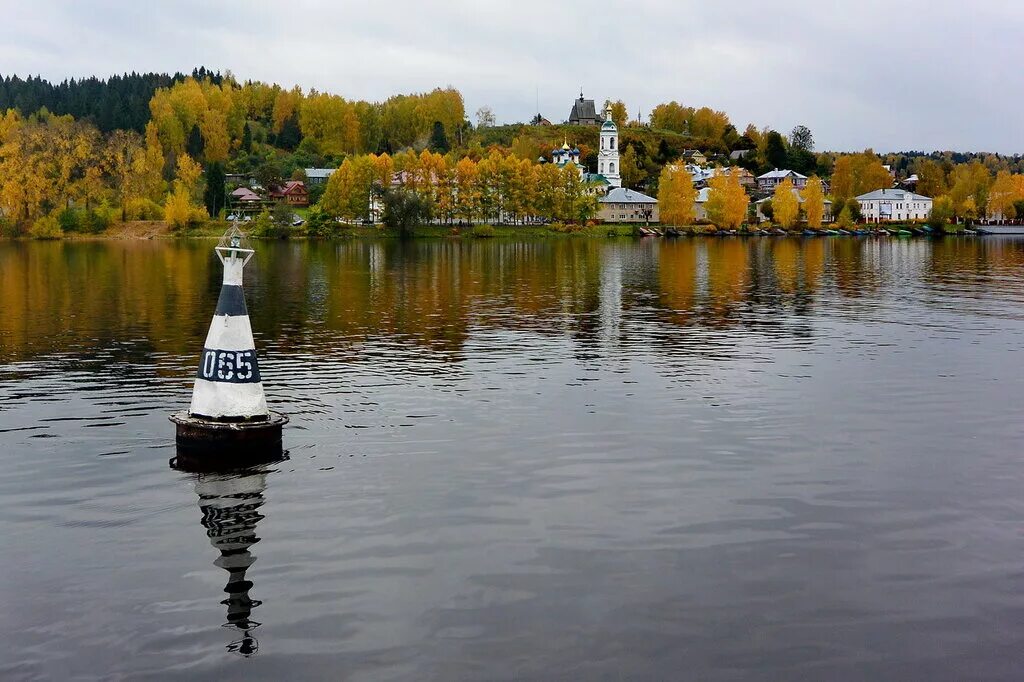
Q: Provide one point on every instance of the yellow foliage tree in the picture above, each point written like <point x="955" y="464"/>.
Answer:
<point x="619" y="113"/>
<point x="179" y="208"/>
<point x="676" y="196"/>
<point x="814" y="202"/>
<point x="785" y="205"/>
<point x="577" y="202"/>
<point x="931" y="178"/>
<point x="1001" y="197"/>
<point x="969" y="189"/>
<point x="856" y="174"/>
<point x="727" y="201"/>
<point x="286" y="104"/>
<point x="339" y="195"/>
<point x="331" y="122"/>
<point x="188" y="174"/>
<point x="189" y="103"/>
<point x="524" y="148"/>
<point x="467" y="194"/>
<point x="47" y="162"/>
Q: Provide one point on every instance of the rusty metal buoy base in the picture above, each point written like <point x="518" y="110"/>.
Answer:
<point x="204" y="444"/>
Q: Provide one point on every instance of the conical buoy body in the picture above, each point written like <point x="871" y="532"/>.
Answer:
<point x="228" y="383"/>
<point x="228" y="417"/>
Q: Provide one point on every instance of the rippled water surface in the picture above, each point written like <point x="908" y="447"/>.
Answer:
<point x="570" y="459"/>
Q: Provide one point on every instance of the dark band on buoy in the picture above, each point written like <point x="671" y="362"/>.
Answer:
<point x="231" y="301"/>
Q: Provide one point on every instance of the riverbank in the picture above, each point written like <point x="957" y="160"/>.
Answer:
<point x="158" y="229"/>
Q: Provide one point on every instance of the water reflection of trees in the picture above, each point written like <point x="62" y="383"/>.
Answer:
<point x="135" y="300"/>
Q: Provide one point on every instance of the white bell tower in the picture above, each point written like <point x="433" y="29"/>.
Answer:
<point x="608" y="153"/>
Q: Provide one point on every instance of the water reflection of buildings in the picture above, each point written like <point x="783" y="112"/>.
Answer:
<point x="230" y="504"/>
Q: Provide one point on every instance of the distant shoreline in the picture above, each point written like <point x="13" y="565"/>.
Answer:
<point x="160" y="230"/>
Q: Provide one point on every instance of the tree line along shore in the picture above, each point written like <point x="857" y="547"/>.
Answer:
<point x="158" y="153"/>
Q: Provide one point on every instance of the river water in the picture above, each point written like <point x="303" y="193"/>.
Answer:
<point x="721" y="459"/>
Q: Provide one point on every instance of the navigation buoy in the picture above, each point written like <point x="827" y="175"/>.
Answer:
<point x="228" y="418"/>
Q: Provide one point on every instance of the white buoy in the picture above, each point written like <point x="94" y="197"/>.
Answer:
<point x="228" y="414"/>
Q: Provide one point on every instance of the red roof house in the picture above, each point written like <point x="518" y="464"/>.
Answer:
<point x="293" y="193"/>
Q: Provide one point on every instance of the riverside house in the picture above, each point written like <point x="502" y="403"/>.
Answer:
<point x="770" y="180"/>
<point x="884" y="205"/>
<point x="292" y="192"/>
<point x="623" y="205"/>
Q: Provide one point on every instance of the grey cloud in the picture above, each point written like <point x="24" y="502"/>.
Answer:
<point x="872" y="73"/>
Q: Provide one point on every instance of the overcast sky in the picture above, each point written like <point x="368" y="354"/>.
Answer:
<point x="913" y="74"/>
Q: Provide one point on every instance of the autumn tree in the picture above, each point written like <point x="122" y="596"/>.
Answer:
<point x="814" y="202"/>
<point x="199" y="117"/>
<point x="144" y="184"/>
<point x="48" y="162"/>
<point x="578" y="203"/>
<point x="619" y="113"/>
<point x="630" y="169"/>
<point x="676" y="196"/>
<point x="286" y="106"/>
<point x="331" y="122"/>
<point x="969" y="189"/>
<point x="785" y="204"/>
<point x="941" y="213"/>
<point x="339" y="197"/>
<point x="856" y="174"/>
<point x="485" y="117"/>
<point x="180" y="209"/>
<point x="931" y="178"/>
<point x="706" y="122"/>
<point x="524" y="148"/>
<point x="467" y="194"/>
<point x="727" y="201"/>
<point x="671" y="116"/>
<point x="547" y="198"/>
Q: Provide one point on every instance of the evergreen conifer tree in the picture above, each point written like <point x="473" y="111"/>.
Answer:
<point x="194" y="145"/>
<point x="439" y="140"/>
<point x="246" y="138"/>
<point x="213" y="195"/>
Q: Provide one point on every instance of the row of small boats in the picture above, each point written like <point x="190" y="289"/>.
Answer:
<point x="917" y="230"/>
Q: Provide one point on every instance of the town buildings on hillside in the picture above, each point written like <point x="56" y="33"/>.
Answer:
<point x="608" y="167"/>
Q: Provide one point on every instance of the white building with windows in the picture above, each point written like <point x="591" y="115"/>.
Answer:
<point x="608" y="152"/>
<point x="884" y="205"/>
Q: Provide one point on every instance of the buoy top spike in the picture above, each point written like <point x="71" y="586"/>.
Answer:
<point x="233" y="244"/>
